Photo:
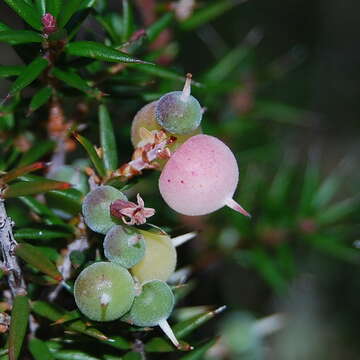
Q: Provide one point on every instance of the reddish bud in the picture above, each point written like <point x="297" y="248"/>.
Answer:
<point x="49" y="23"/>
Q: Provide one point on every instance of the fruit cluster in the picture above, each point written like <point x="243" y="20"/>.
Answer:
<point x="199" y="177"/>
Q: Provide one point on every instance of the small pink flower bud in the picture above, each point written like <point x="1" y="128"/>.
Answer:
<point x="49" y="23"/>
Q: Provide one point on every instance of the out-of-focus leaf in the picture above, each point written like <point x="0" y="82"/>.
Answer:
<point x="39" y="350"/>
<point x="40" y="234"/>
<point x="132" y="355"/>
<point x="158" y="344"/>
<point x="73" y="354"/>
<point x="49" y="217"/>
<point x="36" y="258"/>
<point x="26" y="11"/>
<point x="40" y="98"/>
<point x="279" y="112"/>
<point x="76" y="21"/>
<point x="72" y="79"/>
<point x="68" y="316"/>
<point x="6" y="71"/>
<point x="65" y="200"/>
<point x="100" y="52"/>
<point x="19" y="321"/>
<point x="16" y="37"/>
<point x="94" y="157"/>
<point x="37" y="152"/>
<point x="34" y="187"/>
<point x="53" y="6"/>
<point x="128" y="21"/>
<point x="41" y="6"/>
<point x="326" y="191"/>
<point x="68" y="8"/>
<point x="208" y="13"/>
<point x="15" y="173"/>
<point x="29" y="74"/>
<point x="200" y="351"/>
<point x="107" y="139"/>
<point x="225" y="67"/>
<point x="185" y="327"/>
<point x="155" y="29"/>
<point x="4" y="27"/>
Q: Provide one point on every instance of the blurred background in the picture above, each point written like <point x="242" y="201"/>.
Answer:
<point x="282" y="90"/>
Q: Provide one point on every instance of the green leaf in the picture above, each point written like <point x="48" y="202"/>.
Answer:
<point x="41" y="6"/>
<point x="37" y="152"/>
<point x="6" y="71"/>
<point x="128" y="21"/>
<point x="27" y="12"/>
<point x="94" y="157"/>
<point x="18" y="325"/>
<point x="33" y="187"/>
<point x="74" y="80"/>
<point x="199" y="352"/>
<point x="186" y="327"/>
<point x="4" y="27"/>
<point x="40" y="234"/>
<point x="132" y="355"/>
<point x="68" y="9"/>
<point x="39" y="350"/>
<point x="107" y="139"/>
<point x="208" y="13"/>
<point x="22" y="170"/>
<point x="65" y="200"/>
<point x="100" y="52"/>
<point x="36" y="258"/>
<point x="40" y="98"/>
<point x="158" y="344"/>
<point x="16" y="37"/>
<point x="73" y="355"/>
<point x="155" y="29"/>
<point x="74" y="24"/>
<point x="29" y="74"/>
<point x="53" y="6"/>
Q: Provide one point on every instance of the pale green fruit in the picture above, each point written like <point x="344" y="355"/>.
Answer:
<point x="160" y="258"/>
<point x="153" y="305"/>
<point x="124" y="246"/>
<point x="104" y="291"/>
<point x="96" y="208"/>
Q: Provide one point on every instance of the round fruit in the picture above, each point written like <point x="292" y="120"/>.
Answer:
<point x="159" y="261"/>
<point x="179" y="112"/>
<point x="124" y="246"/>
<point x="153" y="305"/>
<point x="200" y="177"/>
<point x="96" y="208"/>
<point x="104" y="291"/>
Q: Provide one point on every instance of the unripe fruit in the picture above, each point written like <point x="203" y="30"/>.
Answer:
<point x="96" y="208"/>
<point x="200" y="177"/>
<point x="145" y="118"/>
<point x="153" y="305"/>
<point x="178" y="112"/>
<point x="104" y="291"/>
<point x="124" y="246"/>
<point x="159" y="261"/>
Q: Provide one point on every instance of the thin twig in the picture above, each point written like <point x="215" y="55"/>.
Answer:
<point x="8" y="244"/>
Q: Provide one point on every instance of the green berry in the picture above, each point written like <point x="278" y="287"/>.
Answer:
<point x="153" y="305"/>
<point x="104" y="291"/>
<point x="124" y="246"/>
<point x="96" y="208"/>
<point x="160" y="258"/>
<point x="178" y="112"/>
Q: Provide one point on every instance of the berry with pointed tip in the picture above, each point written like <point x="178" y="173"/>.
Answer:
<point x="179" y="112"/>
<point x="104" y="291"/>
<point x="154" y="304"/>
<point x="200" y="177"/>
<point x="124" y="246"/>
<point x="96" y="208"/>
<point x="159" y="261"/>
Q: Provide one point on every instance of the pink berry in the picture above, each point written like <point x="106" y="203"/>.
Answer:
<point x="200" y="177"/>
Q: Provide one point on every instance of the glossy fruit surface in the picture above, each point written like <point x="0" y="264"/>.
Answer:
<point x="104" y="291"/>
<point x="159" y="261"/>
<point x="96" y="208"/>
<point x="200" y="177"/>
<point x="154" y="304"/>
<point x="124" y="246"/>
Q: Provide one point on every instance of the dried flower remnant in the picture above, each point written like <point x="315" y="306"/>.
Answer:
<point x="136" y="213"/>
